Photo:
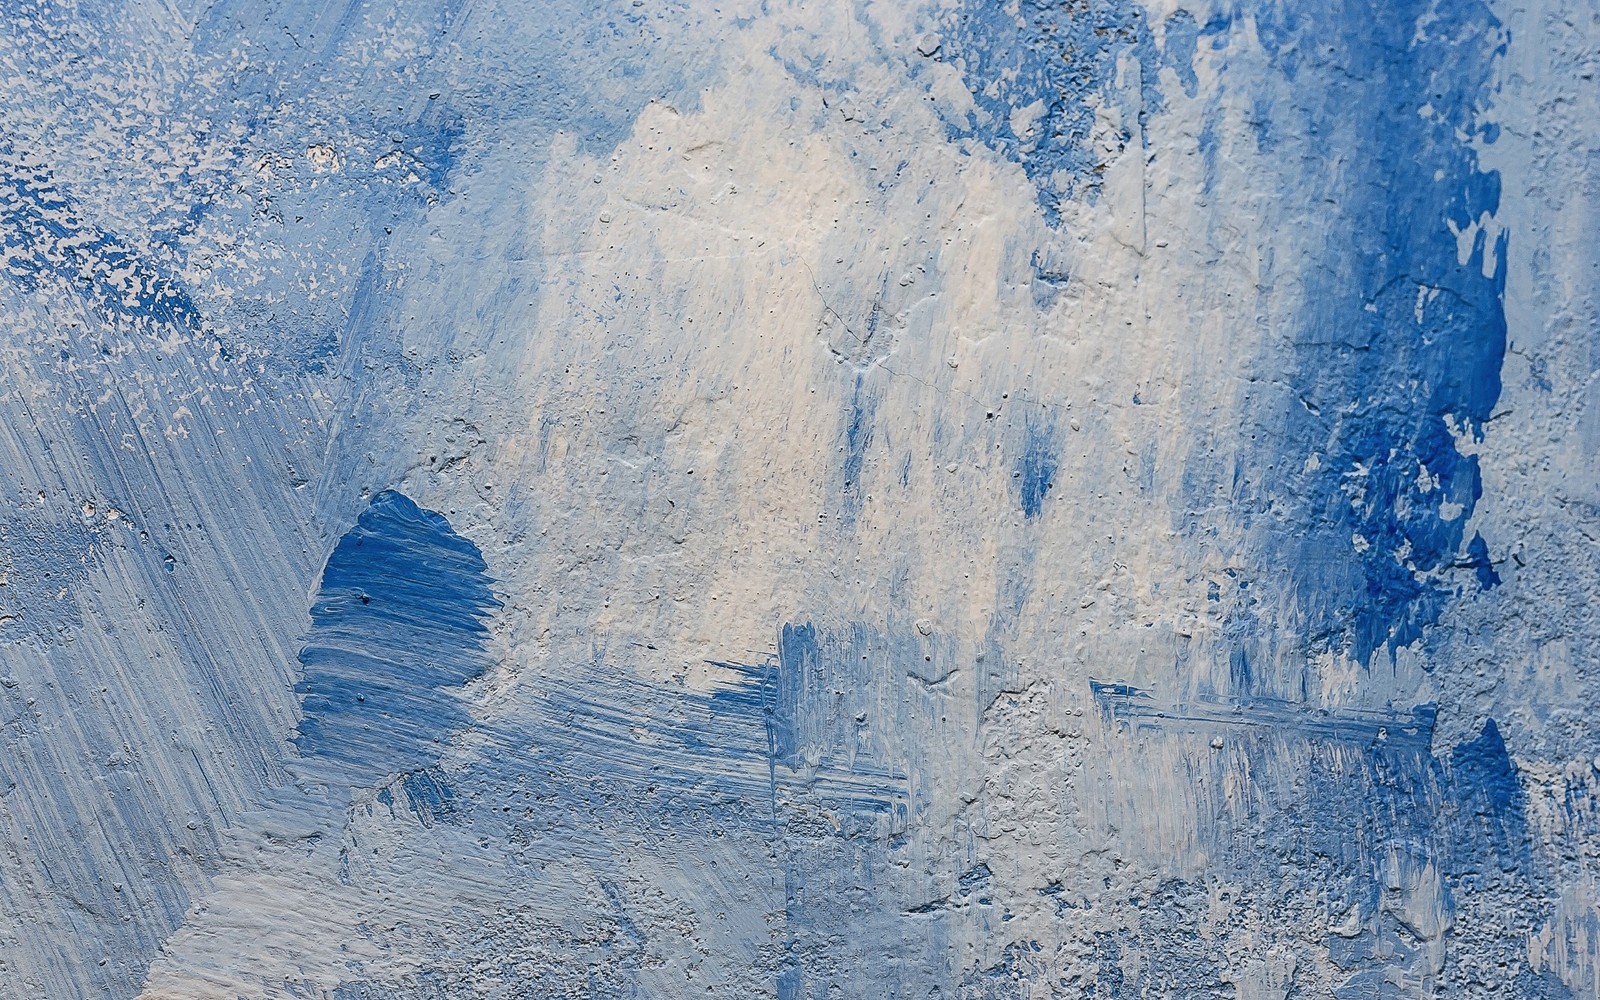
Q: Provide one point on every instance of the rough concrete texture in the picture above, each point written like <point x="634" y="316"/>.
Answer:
<point x="668" y="498"/>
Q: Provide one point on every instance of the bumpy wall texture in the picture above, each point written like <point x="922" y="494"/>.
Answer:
<point x="826" y="499"/>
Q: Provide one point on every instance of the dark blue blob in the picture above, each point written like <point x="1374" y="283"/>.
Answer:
<point x="1492" y="817"/>
<point x="1478" y="559"/>
<point x="398" y="624"/>
<point x="1036" y="468"/>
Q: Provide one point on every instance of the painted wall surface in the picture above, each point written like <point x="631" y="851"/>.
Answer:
<point x="828" y="499"/>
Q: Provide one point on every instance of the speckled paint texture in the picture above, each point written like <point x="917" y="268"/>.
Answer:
<point x="807" y="500"/>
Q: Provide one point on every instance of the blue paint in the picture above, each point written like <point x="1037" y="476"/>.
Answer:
<point x="1482" y="566"/>
<point x="1129" y="707"/>
<point x="1036" y="467"/>
<point x="1181" y="41"/>
<point x="1049" y="281"/>
<point x="556" y="90"/>
<point x="790" y="982"/>
<point x="1398" y="341"/>
<point x="799" y="657"/>
<point x="817" y="760"/>
<point x="1492" y="807"/>
<point x="1364" y="792"/>
<point x="398" y="624"/>
<point x="1063" y="56"/>
<point x="45" y="234"/>
<point x="857" y="438"/>
<point x="428" y="795"/>
<point x="764" y="736"/>
<point x="1060" y="55"/>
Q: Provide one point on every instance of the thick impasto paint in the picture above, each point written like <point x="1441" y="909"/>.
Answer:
<point x="662" y="498"/>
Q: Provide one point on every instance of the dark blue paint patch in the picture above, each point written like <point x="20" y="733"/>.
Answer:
<point x="428" y="795"/>
<point x="1480" y="563"/>
<point x="1399" y="346"/>
<point x="817" y="706"/>
<point x="1109" y="980"/>
<point x="1036" y="467"/>
<point x="1492" y="807"/>
<point x="974" y="879"/>
<point x="397" y="626"/>
<point x="1209" y="146"/>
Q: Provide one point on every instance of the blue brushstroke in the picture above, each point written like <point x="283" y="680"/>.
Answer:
<point x="1129" y="707"/>
<point x="762" y="738"/>
<point x="398" y="624"/>
<point x="1399" y="345"/>
<point x="822" y="697"/>
<point x="1181" y="35"/>
<point x="778" y="758"/>
<point x="1035" y="470"/>
<point x="428" y="795"/>
<point x="848" y="929"/>
<point x="857" y="437"/>
<point x="556" y="89"/>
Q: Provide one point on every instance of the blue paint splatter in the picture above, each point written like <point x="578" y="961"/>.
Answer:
<point x="398" y="624"/>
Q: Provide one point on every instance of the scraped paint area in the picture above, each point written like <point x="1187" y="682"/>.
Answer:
<point x="929" y="500"/>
